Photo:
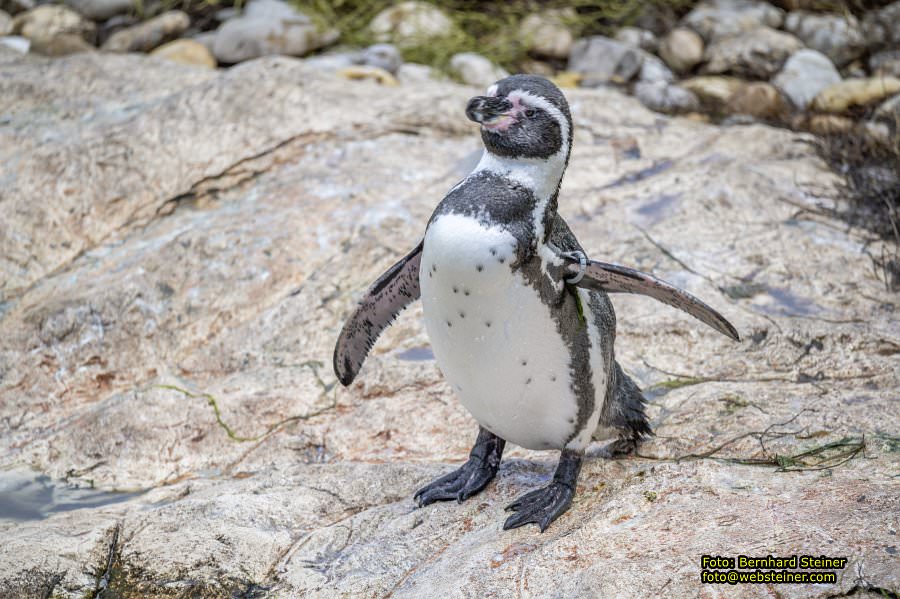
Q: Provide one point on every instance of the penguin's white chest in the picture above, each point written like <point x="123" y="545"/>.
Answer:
<point x="492" y="336"/>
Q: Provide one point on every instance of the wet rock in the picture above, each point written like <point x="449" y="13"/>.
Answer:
<point x="713" y="92"/>
<point x="602" y="60"/>
<point x="546" y="33"/>
<point x="475" y="69"/>
<point x="100" y="10"/>
<point x="663" y="97"/>
<point x="15" y="43"/>
<point x="758" y="99"/>
<point x="654" y="69"/>
<point x="186" y="51"/>
<point x="47" y="21"/>
<point x="839" y="37"/>
<point x="805" y="74"/>
<point x="61" y="45"/>
<point x="637" y="37"/>
<point x="410" y="23"/>
<point x="721" y="18"/>
<point x="757" y="54"/>
<point x="880" y="26"/>
<point x="269" y="27"/>
<point x="885" y="63"/>
<point x="5" y="23"/>
<point x="682" y="49"/>
<point x="149" y="34"/>
<point x="855" y="92"/>
<point x="382" y="56"/>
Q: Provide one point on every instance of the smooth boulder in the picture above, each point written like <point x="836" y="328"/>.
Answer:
<point x="839" y="37"/>
<point x="756" y="54"/>
<point x="720" y="18"/>
<point x="600" y="60"/>
<point x="546" y="33"/>
<point x="475" y="69"/>
<point x="410" y="23"/>
<point x="681" y="49"/>
<point x="146" y="36"/>
<point x="805" y="74"/>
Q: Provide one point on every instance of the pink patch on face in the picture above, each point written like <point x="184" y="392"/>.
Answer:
<point x="508" y="118"/>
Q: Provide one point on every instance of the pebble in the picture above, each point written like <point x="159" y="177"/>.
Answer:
<point x="146" y="36"/>
<point x="681" y="49"/>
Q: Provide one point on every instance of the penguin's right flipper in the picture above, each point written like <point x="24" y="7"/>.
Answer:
<point x="385" y="299"/>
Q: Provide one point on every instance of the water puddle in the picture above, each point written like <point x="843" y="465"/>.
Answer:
<point x="29" y="495"/>
<point x="416" y="354"/>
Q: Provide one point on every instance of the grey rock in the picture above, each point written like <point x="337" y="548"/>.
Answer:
<point x="148" y="35"/>
<point x="47" y="21"/>
<point x="758" y="53"/>
<point x="880" y="26"/>
<point x="886" y="62"/>
<point x="383" y="56"/>
<point x="414" y="73"/>
<point x="207" y="38"/>
<point x="100" y="10"/>
<point x="805" y="74"/>
<point x="682" y="49"/>
<point x="269" y="27"/>
<point x="637" y="37"/>
<point x="720" y="18"/>
<point x="666" y="98"/>
<point x="5" y="23"/>
<point x="475" y="69"/>
<point x="546" y="33"/>
<point x="410" y="23"/>
<point x="600" y="60"/>
<point x="839" y="37"/>
<point x="15" y="43"/>
<point x="211" y="229"/>
<point x="653" y="69"/>
<point x="334" y="61"/>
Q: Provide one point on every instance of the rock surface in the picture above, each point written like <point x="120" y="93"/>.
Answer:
<point x="758" y="99"/>
<point x="475" y="69"/>
<point x="663" y="97"/>
<point x="758" y="53"/>
<point x="713" y="92"/>
<point x="170" y="309"/>
<point x="637" y="37"/>
<point x="382" y="56"/>
<point x="5" y="23"/>
<point x="805" y="74"/>
<point x="269" y="27"/>
<point x="146" y="36"/>
<point x="600" y="60"/>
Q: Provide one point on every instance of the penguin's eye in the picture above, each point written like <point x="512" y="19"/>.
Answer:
<point x="530" y="112"/>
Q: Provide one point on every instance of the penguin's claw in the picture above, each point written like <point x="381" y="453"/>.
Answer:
<point x="460" y="484"/>
<point x="541" y="506"/>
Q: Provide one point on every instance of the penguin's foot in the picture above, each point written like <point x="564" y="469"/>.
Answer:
<point x="543" y="506"/>
<point x="472" y="477"/>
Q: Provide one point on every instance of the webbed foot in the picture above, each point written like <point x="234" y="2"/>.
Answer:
<point x="545" y="505"/>
<point x="472" y="477"/>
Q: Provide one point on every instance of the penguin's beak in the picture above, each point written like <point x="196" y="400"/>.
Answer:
<point x="490" y="111"/>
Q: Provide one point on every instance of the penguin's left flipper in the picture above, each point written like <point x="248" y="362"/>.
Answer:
<point x="612" y="278"/>
<point x="385" y="299"/>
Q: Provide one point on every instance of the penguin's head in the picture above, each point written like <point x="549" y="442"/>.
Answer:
<point x="523" y="116"/>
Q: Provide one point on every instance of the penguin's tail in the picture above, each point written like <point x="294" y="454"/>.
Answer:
<point x="630" y="414"/>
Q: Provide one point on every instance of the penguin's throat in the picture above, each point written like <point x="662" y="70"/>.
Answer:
<point x="540" y="176"/>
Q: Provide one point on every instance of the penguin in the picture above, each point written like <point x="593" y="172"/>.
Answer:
<point x="520" y="321"/>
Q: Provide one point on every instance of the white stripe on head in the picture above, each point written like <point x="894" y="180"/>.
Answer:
<point x="530" y="99"/>
<point x="491" y="91"/>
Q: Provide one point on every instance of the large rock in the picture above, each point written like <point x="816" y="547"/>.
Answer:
<point x="547" y="33"/>
<point x="839" y="37"/>
<point x="410" y="23"/>
<point x="721" y="18"/>
<point x="171" y="303"/>
<point x="269" y="27"/>
<point x="100" y="10"/>
<point x="758" y="53"/>
<point x="682" y="49"/>
<point x="475" y="69"/>
<point x="805" y="74"/>
<point x="600" y="59"/>
<point x="47" y="21"/>
<point x="149" y="34"/>
<point x="855" y="92"/>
